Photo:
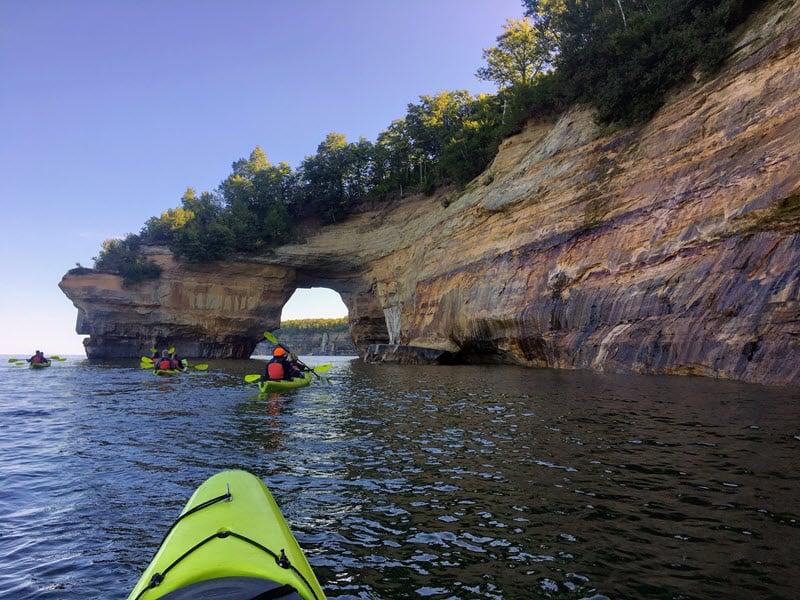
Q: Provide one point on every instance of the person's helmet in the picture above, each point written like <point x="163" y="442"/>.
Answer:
<point x="278" y="351"/>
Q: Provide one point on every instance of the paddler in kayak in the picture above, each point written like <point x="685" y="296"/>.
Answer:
<point x="38" y="358"/>
<point x="180" y="363"/>
<point x="281" y="367"/>
<point x="165" y="363"/>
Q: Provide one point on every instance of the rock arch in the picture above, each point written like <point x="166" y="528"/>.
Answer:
<point x="216" y="310"/>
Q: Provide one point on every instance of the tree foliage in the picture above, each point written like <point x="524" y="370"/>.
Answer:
<point x="523" y="51"/>
<point x="340" y="325"/>
<point x="624" y="56"/>
<point x="620" y="56"/>
<point x="123" y="257"/>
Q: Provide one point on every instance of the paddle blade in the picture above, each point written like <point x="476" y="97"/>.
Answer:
<point x="200" y="367"/>
<point x="147" y="359"/>
<point x="171" y="350"/>
<point x="14" y="360"/>
<point x="322" y="368"/>
<point x="271" y="338"/>
<point x="252" y="377"/>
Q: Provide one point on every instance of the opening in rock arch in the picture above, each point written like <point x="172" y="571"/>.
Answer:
<point x="314" y="303"/>
<point x="316" y="338"/>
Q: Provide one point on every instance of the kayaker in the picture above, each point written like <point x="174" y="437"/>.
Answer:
<point x="179" y="363"/>
<point x="280" y="367"/>
<point x="297" y="366"/>
<point x="38" y="358"/>
<point x="164" y="363"/>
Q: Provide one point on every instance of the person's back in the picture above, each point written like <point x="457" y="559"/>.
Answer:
<point x="177" y="363"/>
<point x="293" y="366"/>
<point x="276" y="368"/>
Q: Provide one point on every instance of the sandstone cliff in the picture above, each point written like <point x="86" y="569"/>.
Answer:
<point x="213" y="311"/>
<point x="672" y="248"/>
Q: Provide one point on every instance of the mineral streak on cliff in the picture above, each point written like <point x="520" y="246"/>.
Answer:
<point x="671" y="248"/>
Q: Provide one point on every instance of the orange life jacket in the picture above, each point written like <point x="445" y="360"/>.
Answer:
<point x="164" y="364"/>
<point x="37" y="359"/>
<point x="275" y="370"/>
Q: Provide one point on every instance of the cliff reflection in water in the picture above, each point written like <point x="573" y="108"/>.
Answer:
<point x="501" y="482"/>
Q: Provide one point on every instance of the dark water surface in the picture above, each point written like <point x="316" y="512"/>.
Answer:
<point x="403" y="482"/>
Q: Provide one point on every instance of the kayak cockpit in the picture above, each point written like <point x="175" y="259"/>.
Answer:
<point x="235" y="588"/>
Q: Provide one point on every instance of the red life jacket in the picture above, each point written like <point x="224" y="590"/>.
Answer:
<point x="164" y="364"/>
<point x="37" y="360"/>
<point x="275" y="370"/>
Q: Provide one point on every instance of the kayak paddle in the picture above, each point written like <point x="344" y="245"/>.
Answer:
<point x="252" y="377"/>
<point x="148" y="363"/>
<point x="20" y="362"/>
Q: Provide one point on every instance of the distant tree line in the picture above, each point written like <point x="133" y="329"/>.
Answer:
<point x="620" y="56"/>
<point x="340" y="325"/>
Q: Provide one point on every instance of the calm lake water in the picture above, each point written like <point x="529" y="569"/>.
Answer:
<point x="412" y="482"/>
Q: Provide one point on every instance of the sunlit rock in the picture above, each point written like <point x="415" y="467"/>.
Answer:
<point x="671" y="248"/>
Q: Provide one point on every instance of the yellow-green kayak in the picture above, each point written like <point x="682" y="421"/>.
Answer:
<point x="281" y="385"/>
<point x="230" y="541"/>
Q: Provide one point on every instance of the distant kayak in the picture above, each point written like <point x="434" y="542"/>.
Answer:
<point x="230" y="541"/>
<point x="169" y="371"/>
<point x="280" y="385"/>
<point x="184" y="366"/>
<point x="40" y="365"/>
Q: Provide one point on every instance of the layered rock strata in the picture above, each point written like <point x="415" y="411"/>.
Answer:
<point x="671" y="248"/>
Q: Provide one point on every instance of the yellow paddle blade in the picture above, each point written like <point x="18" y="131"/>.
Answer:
<point x="15" y="360"/>
<point x="322" y="368"/>
<point x="200" y="367"/>
<point x="252" y="377"/>
<point x="171" y="350"/>
<point x="147" y="359"/>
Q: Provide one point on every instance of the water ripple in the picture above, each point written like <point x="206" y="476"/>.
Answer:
<point x="407" y="482"/>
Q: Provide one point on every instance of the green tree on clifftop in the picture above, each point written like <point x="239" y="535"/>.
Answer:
<point x="621" y="57"/>
<point x="523" y="51"/>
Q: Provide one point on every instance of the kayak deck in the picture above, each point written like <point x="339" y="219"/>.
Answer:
<point x="230" y="541"/>
<point x="168" y="371"/>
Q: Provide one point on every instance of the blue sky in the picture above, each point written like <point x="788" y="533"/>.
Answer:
<point x="110" y="110"/>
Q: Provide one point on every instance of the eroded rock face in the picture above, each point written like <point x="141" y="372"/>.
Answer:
<point x="204" y="310"/>
<point x="674" y="248"/>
